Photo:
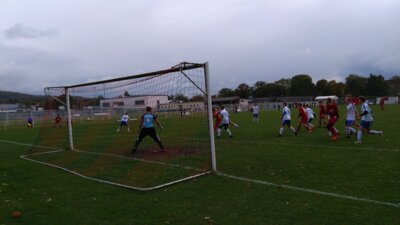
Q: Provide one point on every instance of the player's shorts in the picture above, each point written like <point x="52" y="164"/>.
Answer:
<point x="365" y="124"/>
<point x="322" y="116"/>
<point x="123" y="123"/>
<point x="349" y="122"/>
<point x="151" y="131"/>
<point x="223" y="125"/>
<point x="216" y="125"/>
<point x="255" y="115"/>
<point x="309" y="120"/>
<point x="332" y="120"/>
<point x="304" y="120"/>
<point x="286" y="122"/>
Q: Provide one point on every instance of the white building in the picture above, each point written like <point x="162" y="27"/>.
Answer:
<point x="137" y="102"/>
<point x="186" y="106"/>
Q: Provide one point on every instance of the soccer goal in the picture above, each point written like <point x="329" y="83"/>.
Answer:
<point x="91" y="129"/>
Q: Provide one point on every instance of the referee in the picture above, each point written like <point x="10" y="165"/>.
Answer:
<point x="146" y="127"/>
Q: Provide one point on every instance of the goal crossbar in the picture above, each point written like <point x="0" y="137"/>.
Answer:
<point x="178" y="68"/>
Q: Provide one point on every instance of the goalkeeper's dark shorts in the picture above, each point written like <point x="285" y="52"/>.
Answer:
<point x="148" y="131"/>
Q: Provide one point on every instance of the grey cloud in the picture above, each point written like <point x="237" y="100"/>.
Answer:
<point x="20" y="31"/>
<point x="364" y="65"/>
<point x="29" y="70"/>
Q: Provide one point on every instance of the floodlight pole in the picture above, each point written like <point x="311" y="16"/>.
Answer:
<point x="69" y="120"/>
<point x="210" y="118"/>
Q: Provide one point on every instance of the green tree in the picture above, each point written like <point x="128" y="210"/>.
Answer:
<point x="376" y="86"/>
<point x="356" y="85"/>
<point x="197" y="98"/>
<point x="243" y="90"/>
<point x="281" y="87"/>
<point x="321" y="87"/>
<point x="226" y="92"/>
<point x="261" y="89"/>
<point x="126" y="94"/>
<point x="181" y="97"/>
<point x="393" y="86"/>
<point x="302" y="85"/>
<point x="335" y="88"/>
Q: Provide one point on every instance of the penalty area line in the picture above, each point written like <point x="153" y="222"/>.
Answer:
<point x="26" y="157"/>
<point x="349" y="197"/>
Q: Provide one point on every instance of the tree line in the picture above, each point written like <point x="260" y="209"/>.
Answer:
<point x="302" y="85"/>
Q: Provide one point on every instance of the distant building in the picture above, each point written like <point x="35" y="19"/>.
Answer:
<point x="9" y="107"/>
<point x="231" y="102"/>
<point x="183" y="106"/>
<point x="389" y="100"/>
<point x="133" y="102"/>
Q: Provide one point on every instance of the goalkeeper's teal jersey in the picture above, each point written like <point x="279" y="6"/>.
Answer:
<point x="148" y="120"/>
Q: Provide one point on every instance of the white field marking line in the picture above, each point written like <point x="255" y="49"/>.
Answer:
<point x="316" y="146"/>
<point x="30" y="145"/>
<point x="141" y="160"/>
<point x="95" y="179"/>
<point x="396" y="205"/>
<point x="105" y="154"/>
<point x="113" y="183"/>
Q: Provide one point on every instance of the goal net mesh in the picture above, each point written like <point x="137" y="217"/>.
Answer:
<point x="102" y="142"/>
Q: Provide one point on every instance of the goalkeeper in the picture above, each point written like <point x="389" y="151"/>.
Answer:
<point x="146" y="127"/>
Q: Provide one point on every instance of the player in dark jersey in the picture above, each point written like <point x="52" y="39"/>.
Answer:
<point x="30" y="122"/>
<point x="146" y="127"/>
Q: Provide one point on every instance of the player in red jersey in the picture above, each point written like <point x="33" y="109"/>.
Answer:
<point x="333" y="116"/>
<point x="382" y="103"/>
<point x="217" y="117"/>
<point x="303" y="118"/>
<point x="57" y="121"/>
<point x="322" y="113"/>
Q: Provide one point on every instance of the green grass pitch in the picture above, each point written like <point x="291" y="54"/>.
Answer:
<point x="333" y="171"/>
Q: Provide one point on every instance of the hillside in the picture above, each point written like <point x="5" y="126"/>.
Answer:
<point x="16" y="97"/>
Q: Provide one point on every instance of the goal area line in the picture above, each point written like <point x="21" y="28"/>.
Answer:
<point x="57" y="150"/>
<point x="219" y="173"/>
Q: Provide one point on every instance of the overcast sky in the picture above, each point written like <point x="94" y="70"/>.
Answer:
<point x="51" y="43"/>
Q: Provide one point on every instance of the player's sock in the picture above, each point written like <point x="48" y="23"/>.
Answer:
<point x="359" y="136"/>
<point x="293" y="130"/>
<point x="219" y="132"/>
<point x="281" y="131"/>
<point x="161" y="145"/>
<point x="229" y="132"/>
<point x="375" y="132"/>
<point x="336" y="130"/>
<point x="352" y="130"/>
<point x="333" y="131"/>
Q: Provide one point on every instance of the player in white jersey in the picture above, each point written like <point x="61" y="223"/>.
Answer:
<point x="285" y="118"/>
<point x="311" y="116"/>
<point x="366" y="121"/>
<point x="351" y="115"/>
<point x="224" y="123"/>
<point x="124" y="122"/>
<point x="255" y="109"/>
